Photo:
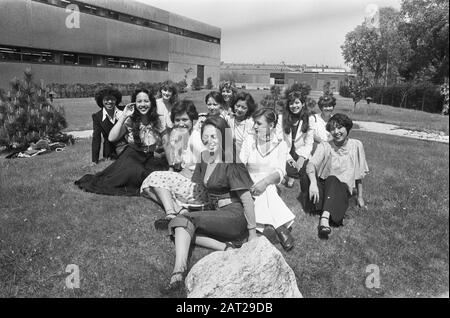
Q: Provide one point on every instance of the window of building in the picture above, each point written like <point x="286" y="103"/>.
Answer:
<point x="29" y="55"/>
<point x="92" y="9"/>
<point x="69" y="58"/>
<point x="85" y="60"/>
<point x="10" y="54"/>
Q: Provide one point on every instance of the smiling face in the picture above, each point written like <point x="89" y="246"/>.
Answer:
<point x="214" y="108"/>
<point x="166" y="94"/>
<point x="211" y="139"/>
<point x="339" y="133"/>
<point x="143" y="104"/>
<point x="240" y="109"/>
<point x="327" y="111"/>
<point x="182" y="121"/>
<point x="109" y="102"/>
<point x="227" y="93"/>
<point x="296" y="106"/>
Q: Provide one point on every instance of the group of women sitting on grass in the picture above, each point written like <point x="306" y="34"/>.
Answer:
<point x="216" y="174"/>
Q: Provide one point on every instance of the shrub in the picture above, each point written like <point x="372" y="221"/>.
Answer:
<point x="181" y="85"/>
<point x="196" y="84"/>
<point x="26" y="115"/>
<point x="344" y="91"/>
<point x="209" y="83"/>
<point x="304" y="88"/>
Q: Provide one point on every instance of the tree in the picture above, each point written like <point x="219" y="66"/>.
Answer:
<point x="26" y="115"/>
<point x="377" y="53"/>
<point x="357" y="88"/>
<point x="426" y="26"/>
<point x="274" y="100"/>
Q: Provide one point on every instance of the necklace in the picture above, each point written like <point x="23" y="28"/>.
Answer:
<point x="265" y="154"/>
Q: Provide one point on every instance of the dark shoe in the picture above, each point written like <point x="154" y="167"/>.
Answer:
<point x="230" y="246"/>
<point x="285" y="238"/>
<point x="270" y="233"/>
<point x="324" y="231"/>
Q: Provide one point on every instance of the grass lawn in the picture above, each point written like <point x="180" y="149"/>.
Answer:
<point x="46" y="223"/>
<point x="78" y="111"/>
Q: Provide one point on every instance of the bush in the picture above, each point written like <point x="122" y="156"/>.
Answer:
<point x="88" y="90"/>
<point x="181" y="85"/>
<point x="196" y="84"/>
<point x="304" y="88"/>
<point x="209" y="83"/>
<point x="26" y="115"/>
<point x="344" y="91"/>
<point x="424" y="96"/>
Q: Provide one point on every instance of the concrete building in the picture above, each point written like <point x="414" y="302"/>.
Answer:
<point x="262" y="76"/>
<point x="104" y="41"/>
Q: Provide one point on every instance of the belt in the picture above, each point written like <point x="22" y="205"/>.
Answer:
<point x="224" y="202"/>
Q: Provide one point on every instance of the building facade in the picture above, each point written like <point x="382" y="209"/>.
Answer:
<point x="262" y="76"/>
<point x="104" y="41"/>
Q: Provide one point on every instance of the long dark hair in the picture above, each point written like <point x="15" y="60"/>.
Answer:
<point x="222" y="125"/>
<point x="289" y="118"/>
<point x="136" y="118"/>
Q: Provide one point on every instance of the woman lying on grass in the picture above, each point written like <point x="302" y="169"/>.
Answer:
<point x="335" y="169"/>
<point x="146" y="135"/>
<point x="228" y="186"/>
<point x="186" y="146"/>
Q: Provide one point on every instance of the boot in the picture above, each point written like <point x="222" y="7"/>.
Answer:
<point x="285" y="237"/>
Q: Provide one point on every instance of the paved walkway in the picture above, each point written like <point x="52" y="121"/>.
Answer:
<point x="380" y="128"/>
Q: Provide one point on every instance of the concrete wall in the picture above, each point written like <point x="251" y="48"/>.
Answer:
<point x="185" y="53"/>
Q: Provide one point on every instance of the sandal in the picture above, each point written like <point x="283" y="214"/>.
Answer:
<point x="177" y="285"/>
<point x="163" y="224"/>
<point x="323" y="229"/>
<point x="230" y="246"/>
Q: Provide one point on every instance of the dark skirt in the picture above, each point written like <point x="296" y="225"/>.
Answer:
<point x="224" y="224"/>
<point x="125" y="175"/>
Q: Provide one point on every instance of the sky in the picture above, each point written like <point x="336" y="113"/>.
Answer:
<point x="274" y="31"/>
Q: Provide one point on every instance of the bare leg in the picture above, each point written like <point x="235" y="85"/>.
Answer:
<point x="210" y="243"/>
<point x="182" y="245"/>
<point x="150" y="194"/>
<point x="324" y="219"/>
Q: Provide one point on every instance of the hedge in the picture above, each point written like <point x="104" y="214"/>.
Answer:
<point x="88" y="90"/>
<point x="425" y="97"/>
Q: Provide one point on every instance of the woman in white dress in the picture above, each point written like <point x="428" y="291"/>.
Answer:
<point x="241" y="121"/>
<point x="265" y="155"/>
<point x="326" y="104"/>
<point x="169" y="95"/>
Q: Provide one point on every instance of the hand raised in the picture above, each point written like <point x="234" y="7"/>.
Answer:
<point x="129" y="110"/>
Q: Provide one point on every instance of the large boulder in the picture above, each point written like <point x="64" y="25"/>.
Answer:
<point x="256" y="270"/>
